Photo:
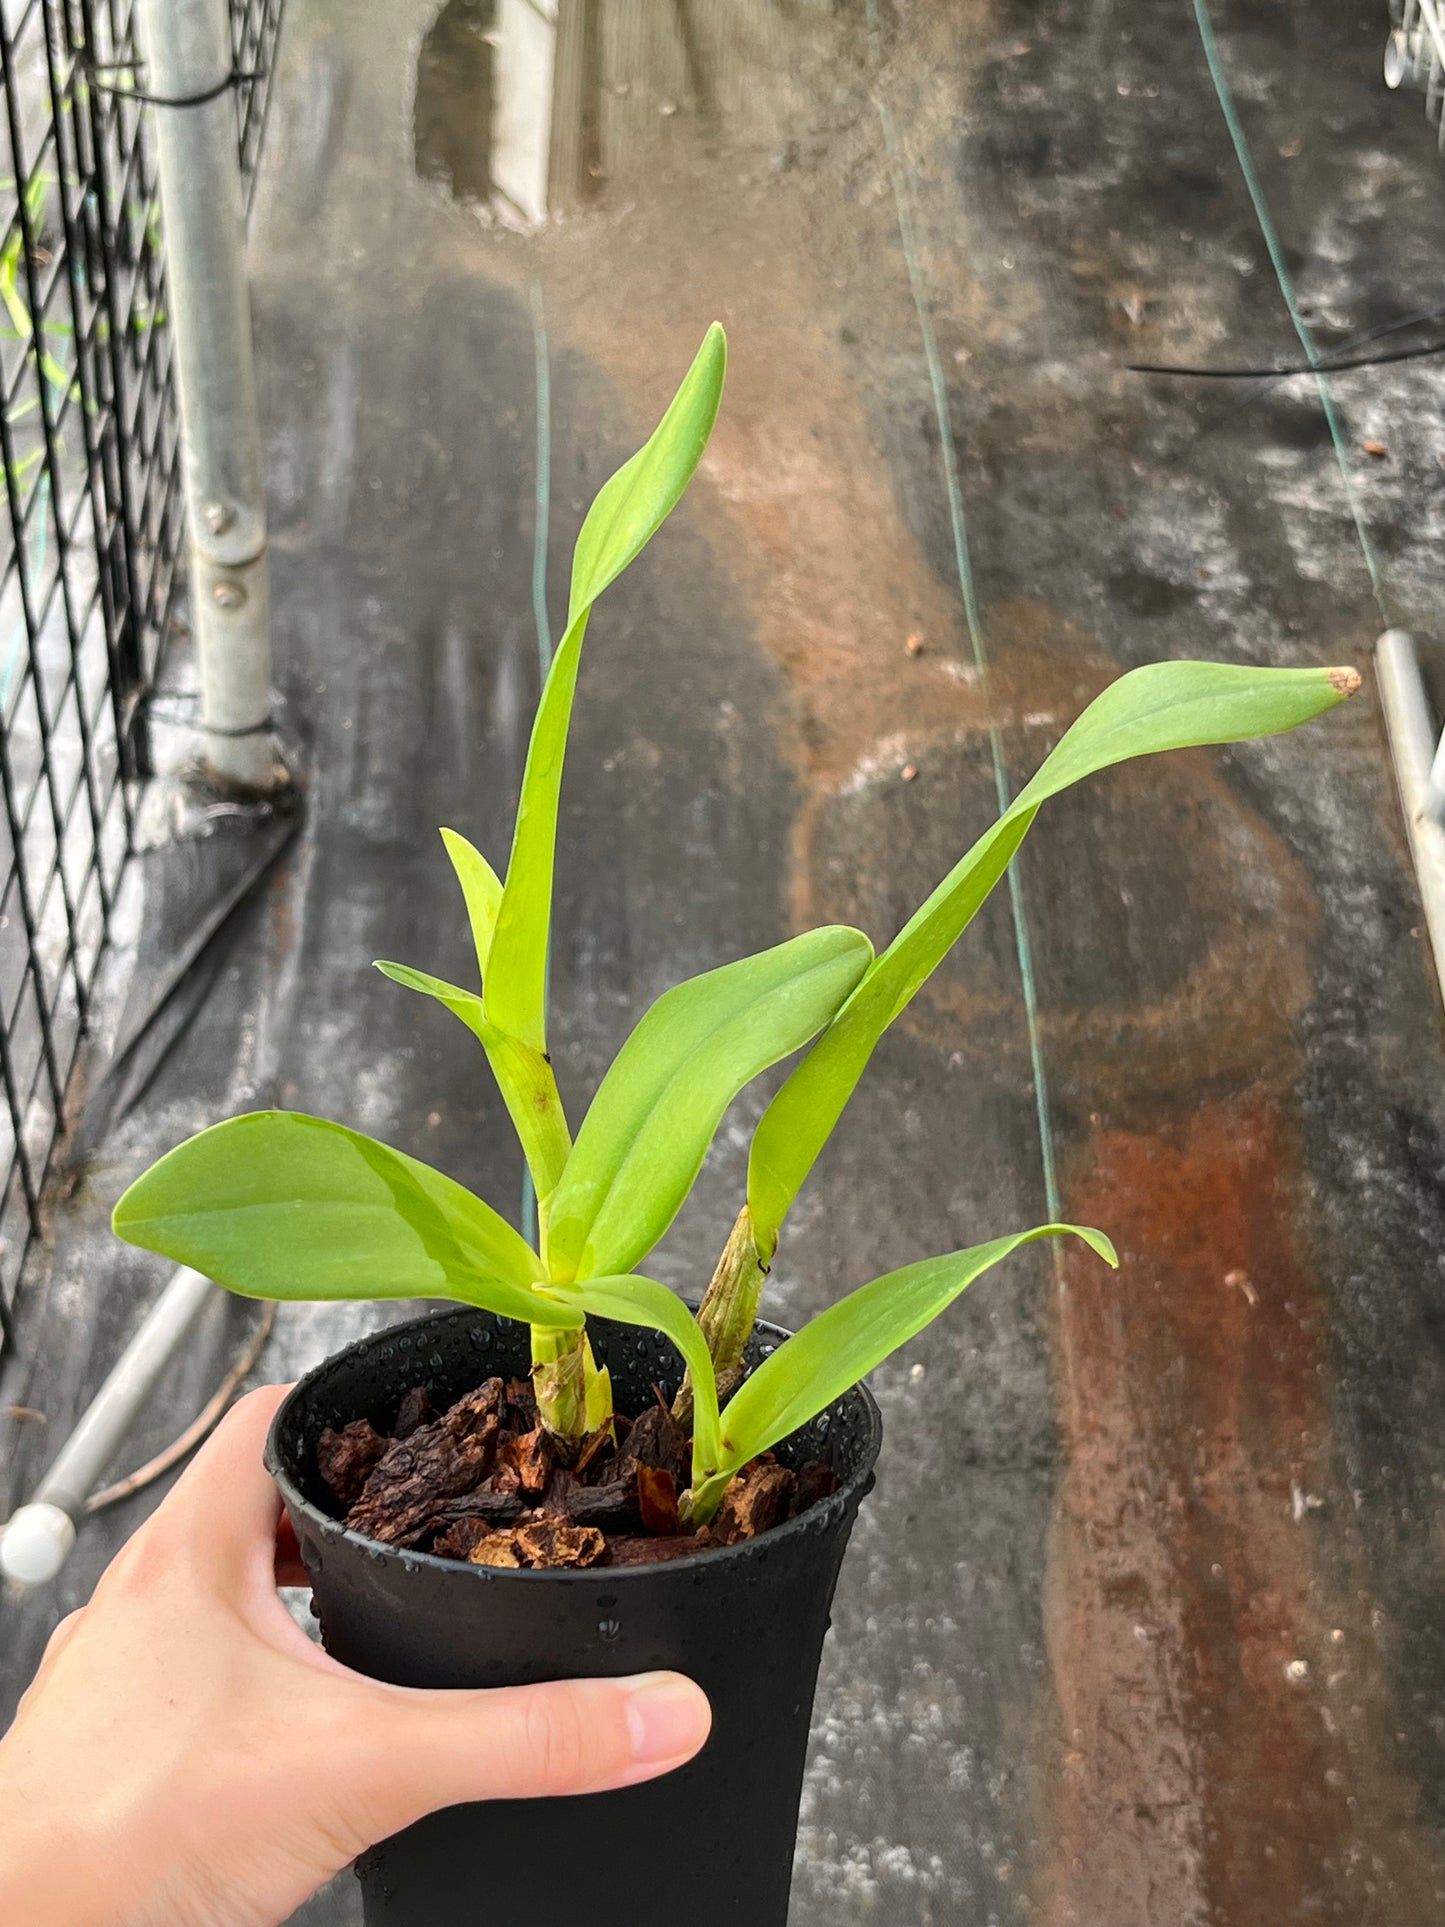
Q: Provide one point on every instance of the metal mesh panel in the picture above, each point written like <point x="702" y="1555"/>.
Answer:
<point x="88" y="556"/>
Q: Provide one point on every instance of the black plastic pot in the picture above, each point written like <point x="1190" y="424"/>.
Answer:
<point x="708" y="1846"/>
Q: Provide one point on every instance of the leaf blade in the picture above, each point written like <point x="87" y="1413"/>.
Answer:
<point x="463" y="1004"/>
<point x="647" y="1132"/>
<point x="627" y="513"/>
<point x="838" y="1348"/>
<point x="481" y="888"/>
<point x="276" y="1204"/>
<point x="633" y="505"/>
<point x="1160" y="707"/>
<point x="515" y="987"/>
<point x="635" y="1300"/>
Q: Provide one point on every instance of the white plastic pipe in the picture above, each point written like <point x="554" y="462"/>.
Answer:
<point x="1413" y="749"/>
<point x="38" y="1539"/>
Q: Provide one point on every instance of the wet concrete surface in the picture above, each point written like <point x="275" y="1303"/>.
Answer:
<point x="1143" y="1625"/>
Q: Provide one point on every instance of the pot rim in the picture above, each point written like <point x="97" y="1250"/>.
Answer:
<point x="856" y="1485"/>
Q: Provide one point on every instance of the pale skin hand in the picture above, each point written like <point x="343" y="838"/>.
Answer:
<point x="186" y="1757"/>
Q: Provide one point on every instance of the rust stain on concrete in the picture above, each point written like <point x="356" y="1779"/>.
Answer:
<point x="1209" y="1628"/>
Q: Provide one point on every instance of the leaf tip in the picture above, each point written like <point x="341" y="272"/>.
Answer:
<point x="1344" y="681"/>
<point x="1098" y="1243"/>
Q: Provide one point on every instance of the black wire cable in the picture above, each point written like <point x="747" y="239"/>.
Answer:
<point x="1250" y="396"/>
<point x="1330" y="356"/>
<point x="1323" y="366"/>
<point x="238" y="77"/>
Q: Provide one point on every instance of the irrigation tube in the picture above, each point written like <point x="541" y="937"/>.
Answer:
<point x="38" y="1539"/>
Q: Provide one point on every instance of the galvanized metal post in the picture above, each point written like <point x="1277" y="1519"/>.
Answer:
<point x="187" y="48"/>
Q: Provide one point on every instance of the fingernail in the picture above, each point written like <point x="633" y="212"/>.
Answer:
<point x="667" y="1716"/>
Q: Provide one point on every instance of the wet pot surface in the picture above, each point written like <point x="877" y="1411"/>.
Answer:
<point x="746" y="1621"/>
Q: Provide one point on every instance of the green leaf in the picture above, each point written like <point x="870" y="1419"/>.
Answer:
<point x="279" y="1205"/>
<point x="643" y="1141"/>
<point x="465" y="1004"/>
<point x="1166" y="705"/>
<point x="634" y="504"/>
<point x="843" y="1344"/>
<point x="482" y="888"/>
<point x="642" y="1301"/>
<point x="628" y="511"/>
<point x="515" y="987"/>
<point x="524" y="1077"/>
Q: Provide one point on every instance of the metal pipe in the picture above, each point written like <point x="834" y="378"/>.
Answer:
<point x="187" y="48"/>
<point x="37" y="1541"/>
<point x="1413" y="743"/>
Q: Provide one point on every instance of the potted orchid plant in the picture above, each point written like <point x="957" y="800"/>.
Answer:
<point x="574" y="1470"/>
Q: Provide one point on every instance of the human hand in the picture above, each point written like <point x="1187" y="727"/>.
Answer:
<point x="187" y="1757"/>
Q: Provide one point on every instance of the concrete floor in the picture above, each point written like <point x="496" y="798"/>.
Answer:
<point x="1144" y="1627"/>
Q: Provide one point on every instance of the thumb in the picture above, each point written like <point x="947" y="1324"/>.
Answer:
<point x="427" y="1750"/>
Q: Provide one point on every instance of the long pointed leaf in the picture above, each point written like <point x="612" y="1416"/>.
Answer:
<point x="524" y="1077"/>
<point x="482" y="888"/>
<point x="279" y="1205"/>
<point x="465" y="1004"/>
<point x="515" y="987"/>
<point x="633" y="505"/>
<point x="843" y="1344"/>
<point x="627" y="513"/>
<point x="1167" y="705"/>
<point x="643" y="1141"/>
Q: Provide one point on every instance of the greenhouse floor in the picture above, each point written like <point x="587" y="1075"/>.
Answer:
<point x="1163" y="1641"/>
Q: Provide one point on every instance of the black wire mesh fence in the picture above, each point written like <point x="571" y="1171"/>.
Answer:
<point x="89" y="555"/>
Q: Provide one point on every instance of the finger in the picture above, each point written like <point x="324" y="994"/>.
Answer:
<point x="430" y="1750"/>
<point x="226" y="1502"/>
<point x="62" y="1636"/>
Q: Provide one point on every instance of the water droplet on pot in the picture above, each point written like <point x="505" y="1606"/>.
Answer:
<point x="436" y="1361"/>
<point x="605" y="1600"/>
<point x="822" y="1426"/>
<point x="608" y="1628"/>
<point x="482" y="1339"/>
